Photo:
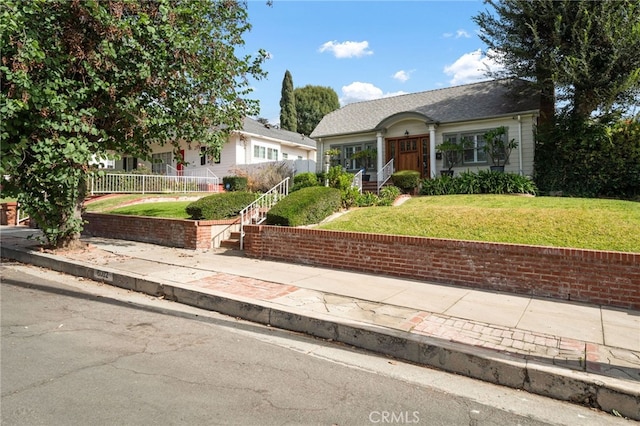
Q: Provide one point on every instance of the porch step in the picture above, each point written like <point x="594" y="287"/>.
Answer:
<point x="372" y="186"/>
<point x="233" y="242"/>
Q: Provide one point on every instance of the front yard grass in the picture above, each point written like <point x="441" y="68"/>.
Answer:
<point x="108" y="204"/>
<point x="549" y="221"/>
<point x="165" y="209"/>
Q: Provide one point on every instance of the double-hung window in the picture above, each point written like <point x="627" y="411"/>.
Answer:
<point x="159" y="162"/>
<point x="473" y="144"/>
<point x="259" y="151"/>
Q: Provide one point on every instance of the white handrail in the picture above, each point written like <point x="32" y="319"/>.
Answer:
<point x="384" y="174"/>
<point x="256" y="212"/>
<point x="357" y="181"/>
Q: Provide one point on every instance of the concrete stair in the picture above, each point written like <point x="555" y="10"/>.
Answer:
<point x="233" y="242"/>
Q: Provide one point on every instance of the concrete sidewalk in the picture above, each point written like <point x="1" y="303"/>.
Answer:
<point x="580" y="353"/>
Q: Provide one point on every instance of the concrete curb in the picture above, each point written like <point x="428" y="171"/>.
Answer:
<point x="604" y="393"/>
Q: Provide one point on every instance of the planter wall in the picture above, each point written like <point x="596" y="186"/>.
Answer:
<point x="591" y="276"/>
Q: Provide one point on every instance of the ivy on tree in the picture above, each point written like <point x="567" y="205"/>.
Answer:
<point x="81" y="79"/>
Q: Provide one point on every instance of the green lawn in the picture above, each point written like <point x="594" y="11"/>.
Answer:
<point x="166" y="209"/>
<point x="549" y="221"/>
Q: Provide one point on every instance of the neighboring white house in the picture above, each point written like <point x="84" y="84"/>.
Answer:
<point x="255" y="143"/>
<point x="407" y="128"/>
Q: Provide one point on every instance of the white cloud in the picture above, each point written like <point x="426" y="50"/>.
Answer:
<point x="358" y="92"/>
<point x="458" y="34"/>
<point x="402" y="75"/>
<point x="347" y="49"/>
<point x="471" y="67"/>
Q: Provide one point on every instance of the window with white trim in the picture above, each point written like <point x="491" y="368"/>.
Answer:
<point x="159" y="162"/>
<point x="272" y="154"/>
<point x="473" y="143"/>
<point x="259" y="151"/>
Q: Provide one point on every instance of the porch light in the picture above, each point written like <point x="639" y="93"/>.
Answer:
<point x="406" y="133"/>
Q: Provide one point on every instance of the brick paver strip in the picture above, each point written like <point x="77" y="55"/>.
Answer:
<point x="243" y="286"/>
<point x="528" y="344"/>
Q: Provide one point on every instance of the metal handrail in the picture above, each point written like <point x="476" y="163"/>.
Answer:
<point x="384" y="174"/>
<point x="192" y="171"/>
<point x="357" y="181"/>
<point x="256" y="212"/>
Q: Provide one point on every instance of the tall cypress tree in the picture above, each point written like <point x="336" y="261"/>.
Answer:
<point x="288" y="120"/>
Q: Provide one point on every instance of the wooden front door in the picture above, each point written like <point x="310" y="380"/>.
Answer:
<point x="410" y="153"/>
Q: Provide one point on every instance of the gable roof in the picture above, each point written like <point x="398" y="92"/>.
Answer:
<point x="254" y="127"/>
<point x="453" y="104"/>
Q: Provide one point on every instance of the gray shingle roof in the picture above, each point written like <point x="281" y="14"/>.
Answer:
<point x="252" y="126"/>
<point x="452" y="104"/>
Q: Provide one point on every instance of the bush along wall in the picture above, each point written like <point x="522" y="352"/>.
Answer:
<point x="483" y="182"/>
<point x="235" y="183"/>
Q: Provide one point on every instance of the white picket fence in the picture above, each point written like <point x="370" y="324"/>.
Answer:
<point x="113" y="183"/>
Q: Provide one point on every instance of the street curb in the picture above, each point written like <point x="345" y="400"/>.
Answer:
<point x="604" y="393"/>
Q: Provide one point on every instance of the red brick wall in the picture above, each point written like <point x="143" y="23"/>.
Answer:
<point x="9" y="214"/>
<point x="190" y="234"/>
<point x="591" y="276"/>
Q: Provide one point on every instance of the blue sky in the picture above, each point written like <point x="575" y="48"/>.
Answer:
<point x="365" y="49"/>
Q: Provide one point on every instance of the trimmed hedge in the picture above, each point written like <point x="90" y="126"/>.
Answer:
<point x="235" y="183"/>
<point x="304" y="180"/>
<point x="305" y="207"/>
<point x="220" y="206"/>
<point x="406" y="180"/>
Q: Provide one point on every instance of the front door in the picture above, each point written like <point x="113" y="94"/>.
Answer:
<point x="410" y="153"/>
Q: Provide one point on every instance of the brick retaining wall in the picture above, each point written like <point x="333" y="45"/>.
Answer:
<point x="591" y="276"/>
<point x="9" y="213"/>
<point x="190" y="234"/>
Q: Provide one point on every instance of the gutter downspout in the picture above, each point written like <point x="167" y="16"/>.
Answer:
<point x="520" y="145"/>
<point x="432" y="150"/>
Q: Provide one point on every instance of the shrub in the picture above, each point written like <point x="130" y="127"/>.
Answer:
<point x="305" y="180"/>
<point x="443" y="185"/>
<point x="589" y="158"/>
<point x="342" y="180"/>
<point x="235" y="183"/>
<point x="388" y="195"/>
<point x="304" y="207"/>
<point x="484" y="182"/>
<point x="406" y="180"/>
<point x="367" y="199"/>
<point x="220" y="206"/>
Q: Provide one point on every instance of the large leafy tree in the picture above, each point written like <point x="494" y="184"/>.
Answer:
<point x="287" y="104"/>
<point x="313" y="103"/>
<point x="586" y="52"/>
<point x="83" y="78"/>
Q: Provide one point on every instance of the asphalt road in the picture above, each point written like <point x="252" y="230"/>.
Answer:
<point x="76" y="352"/>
